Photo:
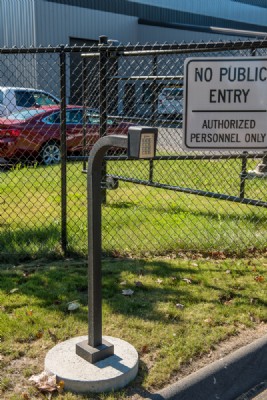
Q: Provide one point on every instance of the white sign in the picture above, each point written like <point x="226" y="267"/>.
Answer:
<point x="225" y="103"/>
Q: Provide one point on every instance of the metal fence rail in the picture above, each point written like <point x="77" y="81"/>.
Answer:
<point x="169" y="204"/>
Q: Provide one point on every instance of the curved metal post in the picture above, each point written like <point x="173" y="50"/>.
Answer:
<point x="96" y="349"/>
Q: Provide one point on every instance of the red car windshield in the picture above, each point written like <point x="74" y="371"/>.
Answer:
<point x="25" y="114"/>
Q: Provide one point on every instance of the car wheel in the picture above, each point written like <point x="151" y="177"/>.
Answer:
<point x="50" y="153"/>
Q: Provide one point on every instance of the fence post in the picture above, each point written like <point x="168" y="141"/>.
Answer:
<point x="63" y="149"/>
<point x="243" y="175"/>
<point x="103" y="57"/>
<point x="154" y="107"/>
<point x="85" y="104"/>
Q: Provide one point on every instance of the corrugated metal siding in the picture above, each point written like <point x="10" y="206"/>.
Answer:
<point x="237" y="11"/>
<point x="226" y="14"/>
<point x="61" y="24"/>
<point x="43" y="22"/>
<point x="177" y="35"/>
<point x="18" y="23"/>
<point x="17" y="29"/>
<point x="56" y="23"/>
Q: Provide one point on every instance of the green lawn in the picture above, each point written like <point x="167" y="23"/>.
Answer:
<point x="170" y="248"/>
<point x="180" y="309"/>
<point x="137" y="220"/>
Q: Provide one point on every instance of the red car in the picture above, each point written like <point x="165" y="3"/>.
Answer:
<point x="35" y="133"/>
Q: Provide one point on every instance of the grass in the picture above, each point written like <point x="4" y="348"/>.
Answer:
<point x="137" y="220"/>
<point x="183" y="304"/>
<point x="180" y="309"/>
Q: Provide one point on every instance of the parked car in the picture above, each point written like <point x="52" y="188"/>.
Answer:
<point x="14" y="99"/>
<point x="35" y="133"/>
<point x="170" y="101"/>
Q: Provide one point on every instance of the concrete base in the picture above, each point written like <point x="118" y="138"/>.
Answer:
<point x="80" y="376"/>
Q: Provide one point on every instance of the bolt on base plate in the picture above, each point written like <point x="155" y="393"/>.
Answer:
<point x="94" y="354"/>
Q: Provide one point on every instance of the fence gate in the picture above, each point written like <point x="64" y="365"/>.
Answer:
<point x="179" y="201"/>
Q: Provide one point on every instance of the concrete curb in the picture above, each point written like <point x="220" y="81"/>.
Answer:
<point x="225" y="379"/>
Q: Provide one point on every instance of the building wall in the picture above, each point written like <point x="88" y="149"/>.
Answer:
<point x="244" y="11"/>
<point x="53" y="22"/>
<point x="57" y="20"/>
<point x="17" y="20"/>
<point x="170" y="35"/>
<point x="56" y="23"/>
<point x="17" y="28"/>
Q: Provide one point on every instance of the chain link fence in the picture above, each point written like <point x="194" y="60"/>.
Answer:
<point x="55" y="103"/>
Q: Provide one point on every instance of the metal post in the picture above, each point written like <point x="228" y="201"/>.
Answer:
<point x="63" y="145"/>
<point x="243" y="175"/>
<point x="96" y="348"/>
<point x="154" y="107"/>
<point x="253" y="52"/>
<point x="103" y="41"/>
<point x="154" y="86"/>
<point x="151" y="169"/>
<point x="85" y="102"/>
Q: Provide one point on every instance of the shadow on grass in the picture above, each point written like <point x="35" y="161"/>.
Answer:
<point x="50" y="285"/>
<point x="228" y="215"/>
<point x="60" y="281"/>
<point x="56" y="283"/>
<point x="121" y="205"/>
<point x="251" y="216"/>
<point x="28" y="243"/>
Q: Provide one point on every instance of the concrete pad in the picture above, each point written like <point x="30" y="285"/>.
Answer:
<point x="80" y="376"/>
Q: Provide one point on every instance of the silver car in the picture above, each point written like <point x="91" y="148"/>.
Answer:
<point x="14" y="99"/>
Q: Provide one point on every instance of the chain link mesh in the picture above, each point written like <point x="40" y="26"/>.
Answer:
<point x="180" y="201"/>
